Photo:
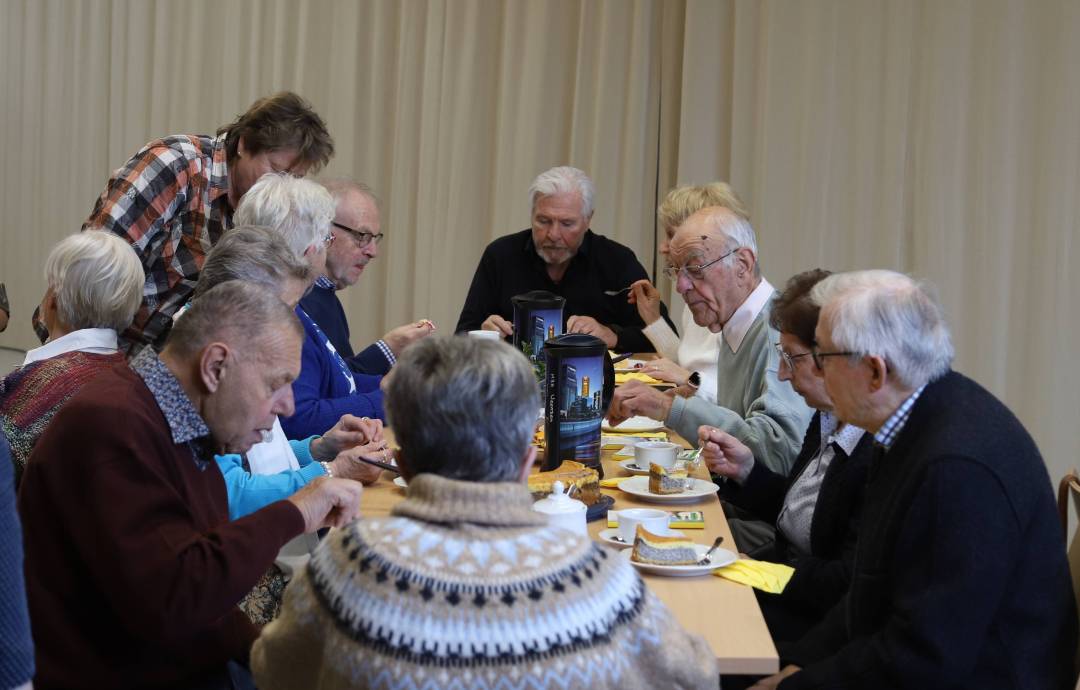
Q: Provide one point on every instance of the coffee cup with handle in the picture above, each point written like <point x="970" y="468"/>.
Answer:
<point x="655" y="521"/>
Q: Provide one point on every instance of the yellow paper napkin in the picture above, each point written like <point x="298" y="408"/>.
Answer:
<point x="763" y="575"/>
<point x="624" y="376"/>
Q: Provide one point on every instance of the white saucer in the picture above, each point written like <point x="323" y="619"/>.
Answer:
<point x="634" y="425"/>
<point x="400" y="481"/>
<point x="606" y="535"/>
<point x="632" y="467"/>
<point x="639" y="486"/>
<point x="720" y="558"/>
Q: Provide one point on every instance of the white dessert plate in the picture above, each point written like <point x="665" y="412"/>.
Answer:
<point x="400" y="481"/>
<point x="607" y="536"/>
<point x="720" y="558"/>
<point x="634" y="425"/>
<point x="632" y="467"/>
<point x="639" y="486"/>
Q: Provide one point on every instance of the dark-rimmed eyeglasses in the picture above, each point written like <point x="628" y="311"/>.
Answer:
<point x="819" y="356"/>
<point x="361" y="237"/>
<point x="694" y="272"/>
<point x="788" y="358"/>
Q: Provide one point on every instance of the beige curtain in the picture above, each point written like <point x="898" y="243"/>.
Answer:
<point x="936" y="137"/>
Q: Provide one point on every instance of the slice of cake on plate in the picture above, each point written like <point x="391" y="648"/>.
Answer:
<point x="585" y="480"/>
<point x="656" y="550"/>
<point x="665" y="481"/>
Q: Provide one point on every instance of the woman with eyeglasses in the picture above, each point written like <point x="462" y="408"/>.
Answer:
<point x="816" y="508"/>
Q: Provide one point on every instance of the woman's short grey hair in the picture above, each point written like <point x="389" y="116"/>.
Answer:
<point x="563" y="180"/>
<point x="890" y="315"/>
<point x="97" y="279"/>
<point x="463" y="408"/>
<point x="255" y="255"/>
<point x="301" y="210"/>
<point x="234" y="312"/>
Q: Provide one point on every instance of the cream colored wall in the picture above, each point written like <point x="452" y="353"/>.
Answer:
<point x="938" y="138"/>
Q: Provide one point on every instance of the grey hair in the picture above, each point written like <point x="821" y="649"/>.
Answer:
<point x="735" y="229"/>
<point x="254" y="255"/>
<point x="97" y="280"/>
<point x="564" y="180"/>
<point x="234" y="312"/>
<point x="890" y="315"/>
<point x="301" y="210"/>
<point x="340" y="187"/>
<point x="463" y="408"/>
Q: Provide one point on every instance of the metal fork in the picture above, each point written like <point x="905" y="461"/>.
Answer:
<point x="707" y="558"/>
<point x="612" y="293"/>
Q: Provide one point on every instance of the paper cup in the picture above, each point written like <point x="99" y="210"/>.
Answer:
<point x="655" y="521"/>
<point x="663" y="453"/>
<point x="488" y="335"/>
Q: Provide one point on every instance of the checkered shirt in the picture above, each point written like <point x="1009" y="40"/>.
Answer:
<point x="895" y="423"/>
<point x="171" y="202"/>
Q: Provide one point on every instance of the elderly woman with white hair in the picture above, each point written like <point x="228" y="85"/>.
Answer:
<point x="302" y="210"/>
<point x="94" y="288"/>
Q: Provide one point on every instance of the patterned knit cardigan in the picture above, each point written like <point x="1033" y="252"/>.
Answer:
<point x="464" y="586"/>
<point x="31" y="395"/>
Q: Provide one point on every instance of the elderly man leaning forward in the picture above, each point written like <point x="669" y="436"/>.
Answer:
<point x="302" y="210"/>
<point x="960" y="578"/>
<point x="133" y="567"/>
<point x="714" y="263"/>
<point x="175" y="197"/>
<point x="464" y="585"/>
<point x="357" y="232"/>
<point x="94" y="284"/>
<point x="560" y="254"/>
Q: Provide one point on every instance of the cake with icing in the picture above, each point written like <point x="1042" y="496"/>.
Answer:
<point x="585" y="480"/>
<point x="665" y="481"/>
<point x="657" y="550"/>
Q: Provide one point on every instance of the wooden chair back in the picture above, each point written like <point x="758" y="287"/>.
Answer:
<point x="1069" y="492"/>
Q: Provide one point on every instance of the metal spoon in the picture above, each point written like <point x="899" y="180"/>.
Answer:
<point x="707" y="558"/>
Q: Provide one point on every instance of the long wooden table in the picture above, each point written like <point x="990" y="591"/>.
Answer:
<point x="724" y="613"/>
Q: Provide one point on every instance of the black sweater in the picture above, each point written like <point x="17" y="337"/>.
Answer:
<point x="960" y="578"/>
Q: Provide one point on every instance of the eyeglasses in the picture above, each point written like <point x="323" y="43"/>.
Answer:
<point x="819" y="357"/>
<point x="694" y="272"/>
<point x="789" y="359"/>
<point x="361" y="238"/>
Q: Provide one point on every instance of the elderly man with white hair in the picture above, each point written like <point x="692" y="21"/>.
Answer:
<point x="562" y="255"/>
<point x="302" y="211"/>
<point x="714" y="263"/>
<point x="94" y="288"/>
<point x="960" y="578"/>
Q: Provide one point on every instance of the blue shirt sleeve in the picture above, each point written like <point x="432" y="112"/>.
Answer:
<point x="16" y="645"/>
<point x="250" y="492"/>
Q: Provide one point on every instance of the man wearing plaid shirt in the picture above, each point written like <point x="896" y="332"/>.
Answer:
<point x="960" y="578"/>
<point x="175" y="197"/>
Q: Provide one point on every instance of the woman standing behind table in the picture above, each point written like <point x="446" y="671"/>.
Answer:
<point x="697" y="350"/>
<point x="817" y="507"/>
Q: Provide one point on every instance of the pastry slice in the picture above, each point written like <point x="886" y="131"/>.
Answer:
<point x="668" y="481"/>
<point x="570" y="473"/>
<point x="656" y="550"/>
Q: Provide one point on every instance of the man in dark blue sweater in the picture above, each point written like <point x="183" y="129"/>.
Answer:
<point x="356" y="242"/>
<point x="960" y="578"/>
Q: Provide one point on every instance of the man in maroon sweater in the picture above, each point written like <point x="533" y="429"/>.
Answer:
<point x="133" y="568"/>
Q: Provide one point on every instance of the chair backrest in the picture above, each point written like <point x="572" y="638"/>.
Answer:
<point x="1069" y="492"/>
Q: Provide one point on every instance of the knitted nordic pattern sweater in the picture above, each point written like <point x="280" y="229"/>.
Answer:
<point x="465" y="586"/>
<point x="30" y="397"/>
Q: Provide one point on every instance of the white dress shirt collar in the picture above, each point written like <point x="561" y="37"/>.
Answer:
<point x="98" y="341"/>
<point x="735" y="329"/>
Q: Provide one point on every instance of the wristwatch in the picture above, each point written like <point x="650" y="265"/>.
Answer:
<point x="694" y="381"/>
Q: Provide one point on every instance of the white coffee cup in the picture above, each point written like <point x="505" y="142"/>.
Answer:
<point x="655" y="521"/>
<point x="488" y="335"/>
<point x="662" y="453"/>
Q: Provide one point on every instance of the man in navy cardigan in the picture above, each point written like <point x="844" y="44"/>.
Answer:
<point x="960" y="578"/>
<point x="357" y="233"/>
